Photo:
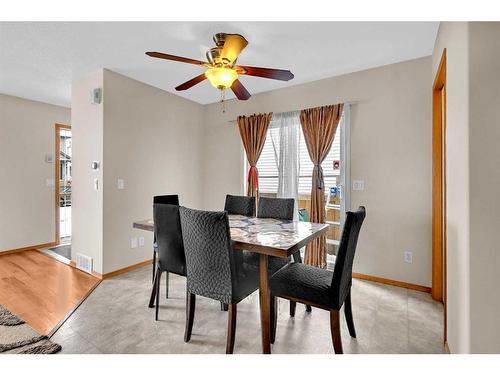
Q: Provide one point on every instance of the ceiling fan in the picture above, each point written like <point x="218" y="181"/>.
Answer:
<point x="222" y="70"/>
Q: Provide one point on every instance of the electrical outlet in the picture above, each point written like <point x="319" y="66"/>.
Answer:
<point x="133" y="242"/>
<point x="141" y="241"/>
<point x="358" y="185"/>
<point x="408" y="257"/>
<point x="120" y="184"/>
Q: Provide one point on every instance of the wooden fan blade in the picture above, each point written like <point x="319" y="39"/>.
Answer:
<point x="165" y="56"/>
<point x="233" y="45"/>
<point x="191" y="82"/>
<point x="239" y="90"/>
<point x="279" y="74"/>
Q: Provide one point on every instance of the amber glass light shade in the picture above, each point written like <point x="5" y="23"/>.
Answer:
<point x="221" y="78"/>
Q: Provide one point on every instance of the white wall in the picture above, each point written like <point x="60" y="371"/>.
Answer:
<point x="390" y="151"/>
<point x="484" y="141"/>
<point x="27" y="207"/>
<point x="152" y="140"/>
<point x="87" y="203"/>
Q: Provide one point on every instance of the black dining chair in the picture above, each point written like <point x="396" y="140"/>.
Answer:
<point x="214" y="269"/>
<point x="170" y="248"/>
<point x="320" y="287"/>
<point x="240" y="205"/>
<point x="272" y="208"/>
<point x="281" y="209"/>
<point x="276" y="208"/>
<point x="162" y="199"/>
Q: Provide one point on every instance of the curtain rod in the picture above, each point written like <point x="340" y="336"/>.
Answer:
<point x="349" y="103"/>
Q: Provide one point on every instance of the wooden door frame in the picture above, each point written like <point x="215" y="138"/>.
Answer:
<point x="57" y="188"/>
<point x="439" y="248"/>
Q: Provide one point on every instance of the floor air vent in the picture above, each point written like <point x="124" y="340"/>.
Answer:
<point x="84" y="263"/>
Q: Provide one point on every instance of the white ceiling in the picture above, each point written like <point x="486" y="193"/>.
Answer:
<point x="40" y="60"/>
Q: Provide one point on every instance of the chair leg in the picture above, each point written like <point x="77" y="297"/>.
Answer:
<point x="153" y="293"/>
<point x="158" y="278"/>
<point x="274" y="317"/>
<point x="231" y="328"/>
<point x="293" y="305"/>
<point x="154" y="265"/>
<point x="348" y="315"/>
<point x="223" y="306"/>
<point x="190" y="307"/>
<point x="166" y="285"/>
<point x="335" y="330"/>
<point x="308" y="308"/>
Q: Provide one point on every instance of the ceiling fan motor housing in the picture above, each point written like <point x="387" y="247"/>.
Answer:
<point x="214" y="54"/>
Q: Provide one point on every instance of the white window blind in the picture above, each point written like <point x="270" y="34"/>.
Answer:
<point x="268" y="170"/>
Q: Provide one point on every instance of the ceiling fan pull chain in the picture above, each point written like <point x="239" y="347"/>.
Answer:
<point x="222" y="100"/>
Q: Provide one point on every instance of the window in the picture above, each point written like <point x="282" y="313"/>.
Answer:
<point x="268" y="170"/>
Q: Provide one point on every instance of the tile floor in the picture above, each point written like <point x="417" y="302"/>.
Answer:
<point x="115" y="319"/>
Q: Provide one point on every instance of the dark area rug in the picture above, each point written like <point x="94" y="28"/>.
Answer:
<point x="17" y="337"/>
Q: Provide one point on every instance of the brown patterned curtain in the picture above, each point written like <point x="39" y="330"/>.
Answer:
<point x="319" y="125"/>
<point x="253" y="131"/>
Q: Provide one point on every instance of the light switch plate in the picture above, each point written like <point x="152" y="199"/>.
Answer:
<point x="358" y="185"/>
<point x="141" y="241"/>
<point x="120" y="184"/>
<point x="50" y="182"/>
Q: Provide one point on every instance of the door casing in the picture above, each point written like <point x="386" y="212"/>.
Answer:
<point x="439" y="248"/>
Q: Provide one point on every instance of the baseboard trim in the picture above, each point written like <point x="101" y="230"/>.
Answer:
<point x="33" y="247"/>
<point x="447" y="348"/>
<point x="118" y="271"/>
<point x="95" y="274"/>
<point x="126" y="269"/>
<point x="397" y="283"/>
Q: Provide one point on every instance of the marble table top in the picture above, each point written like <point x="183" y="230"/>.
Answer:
<point x="267" y="236"/>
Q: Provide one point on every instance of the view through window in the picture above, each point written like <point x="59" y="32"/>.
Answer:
<point x="268" y="164"/>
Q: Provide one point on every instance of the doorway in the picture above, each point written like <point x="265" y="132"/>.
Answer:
<point x="63" y="180"/>
<point x="439" y="249"/>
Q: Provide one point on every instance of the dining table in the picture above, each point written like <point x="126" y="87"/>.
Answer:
<point x="266" y="237"/>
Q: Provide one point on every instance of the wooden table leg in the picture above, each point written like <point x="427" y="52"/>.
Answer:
<point x="264" y="304"/>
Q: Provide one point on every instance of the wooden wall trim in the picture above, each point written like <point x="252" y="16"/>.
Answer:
<point x="117" y="272"/>
<point x="439" y="205"/>
<point x="95" y="274"/>
<point x="126" y="269"/>
<point x="447" y="348"/>
<point x="438" y="180"/>
<point x="32" y="247"/>
<point x="397" y="283"/>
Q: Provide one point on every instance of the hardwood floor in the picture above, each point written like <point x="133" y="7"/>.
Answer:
<point x="41" y="290"/>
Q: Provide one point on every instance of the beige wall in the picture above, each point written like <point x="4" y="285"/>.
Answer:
<point x="454" y="37"/>
<point x="152" y="140"/>
<point x="484" y="141"/>
<point x="473" y="177"/>
<point x="390" y="151"/>
<point x="87" y="215"/>
<point x="27" y="134"/>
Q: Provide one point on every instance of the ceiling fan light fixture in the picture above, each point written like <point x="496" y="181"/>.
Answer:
<point x="221" y="78"/>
